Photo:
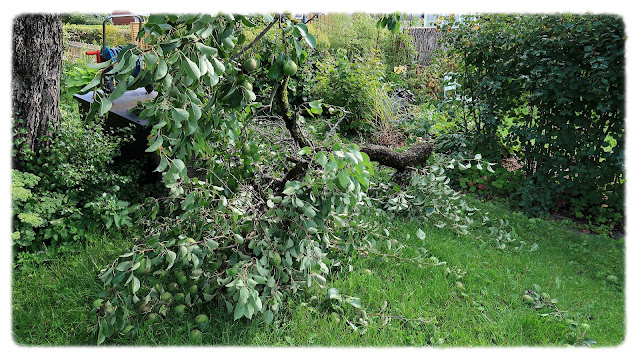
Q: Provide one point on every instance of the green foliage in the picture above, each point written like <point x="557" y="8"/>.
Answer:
<point x="21" y="184"/>
<point x="67" y="187"/>
<point x="397" y="51"/>
<point x="92" y="34"/>
<point x="83" y="19"/>
<point x="77" y="159"/>
<point x="38" y="215"/>
<point x="355" y="34"/>
<point x="266" y="50"/>
<point x="79" y="77"/>
<point x="559" y="79"/>
<point x="240" y="255"/>
<point x="393" y="22"/>
<point x="429" y="195"/>
<point x="502" y="182"/>
<point x="234" y="254"/>
<point x="350" y="84"/>
<point x="111" y="210"/>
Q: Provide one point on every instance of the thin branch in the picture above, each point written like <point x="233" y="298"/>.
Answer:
<point x="313" y="17"/>
<point x="264" y="32"/>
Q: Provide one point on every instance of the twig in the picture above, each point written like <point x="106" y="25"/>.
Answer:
<point x="260" y="35"/>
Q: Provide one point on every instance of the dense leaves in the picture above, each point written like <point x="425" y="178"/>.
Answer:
<point x="551" y="89"/>
<point x="270" y="212"/>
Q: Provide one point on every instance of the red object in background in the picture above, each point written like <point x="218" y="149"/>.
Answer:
<point x="97" y="53"/>
<point x="122" y="20"/>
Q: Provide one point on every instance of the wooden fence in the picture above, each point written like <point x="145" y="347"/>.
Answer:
<point x="76" y="50"/>
<point x="425" y="40"/>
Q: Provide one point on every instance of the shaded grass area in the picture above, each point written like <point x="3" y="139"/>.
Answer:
<point x="425" y="304"/>
<point x="52" y="304"/>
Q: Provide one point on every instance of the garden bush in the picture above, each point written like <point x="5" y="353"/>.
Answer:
<point x="92" y="34"/>
<point x="53" y="192"/>
<point x="551" y="88"/>
<point x="70" y="186"/>
<point x="83" y="19"/>
<point x="348" y="83"/>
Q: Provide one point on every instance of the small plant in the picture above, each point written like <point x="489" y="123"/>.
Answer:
<point x="111" y="210"/>
<point x="23" y="208"/>
<point x="385" y="114"/>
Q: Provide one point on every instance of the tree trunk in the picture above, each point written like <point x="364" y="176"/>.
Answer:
<point x="37" y="69"/>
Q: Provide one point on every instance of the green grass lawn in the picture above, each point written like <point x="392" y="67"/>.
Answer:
<point x="424" y="305"/>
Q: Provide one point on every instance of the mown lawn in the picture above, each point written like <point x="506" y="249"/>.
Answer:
<point x="425" y="305"/>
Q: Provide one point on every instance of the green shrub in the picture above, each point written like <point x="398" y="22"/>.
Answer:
<point x="554" y="84"/>
<point x="92" y="34"/>
<point x="346" y="83"/>
<point x="83" y="19"/>
<point x="501" y="182"/>
<point x="52" y="189"/>
<point x="41" y="218"/>
<point x="355" y="34"/>
<point x="69" y="186"/>
<point x="397" y="50"/>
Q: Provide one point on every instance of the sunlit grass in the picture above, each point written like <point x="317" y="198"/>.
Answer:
<point x="425" y="305"/>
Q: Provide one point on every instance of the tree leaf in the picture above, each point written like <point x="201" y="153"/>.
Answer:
<point x="124" y="266"/>
<point x="206" y="50"/>
<point x="178" y="165"/>
<point x="119" y="90"/>
<point x="156" y="145"/>
<point x="268" y="316"/>
<point x="93" y="83"/>
<point x="239" y="311"/>
<point x="136" y="285"/>
<point x="171" y="258"/>
<point x="191" y="69"/>
<point x="179" y="115"/>
<point x="211" y="244"/>
<point x="275" y="71"/>
<point x="311" y="40"/>
<point x="161" y="70"/>
<point x="343" y="177"/>
<point x="163" y="164"/>
<point x="105" y="106"/>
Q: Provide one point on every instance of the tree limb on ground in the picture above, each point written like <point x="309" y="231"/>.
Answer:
<point x="418" y="154"/>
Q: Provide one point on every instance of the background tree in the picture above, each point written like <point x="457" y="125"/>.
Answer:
<point x="37" y="68"/>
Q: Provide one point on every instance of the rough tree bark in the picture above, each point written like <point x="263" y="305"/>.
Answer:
<point x="415" y="155"/>
<point x="36" y="73"/>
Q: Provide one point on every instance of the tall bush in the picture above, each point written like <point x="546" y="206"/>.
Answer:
<point x="346" y="83"/>
<point x="551" y="87"/>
